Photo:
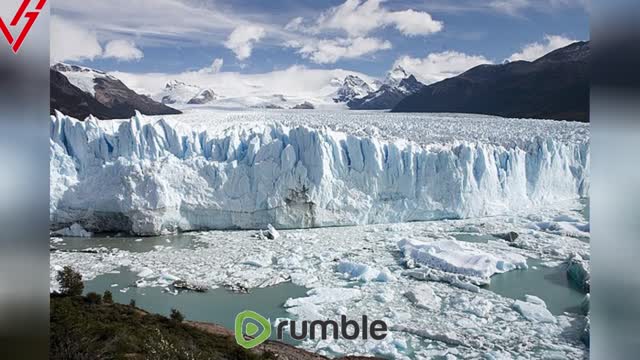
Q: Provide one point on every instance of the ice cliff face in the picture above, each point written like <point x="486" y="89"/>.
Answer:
<point x="147" y="177"/>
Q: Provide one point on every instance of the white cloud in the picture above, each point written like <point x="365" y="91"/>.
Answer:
<point x="70" y="42"/>
<point x="517" y="7"/>
<point x="536" y="50"/>
<point x="439" y="66"/>
<point x="217" y="65"/>
<point x="359" y="17"/>
<point x="214" y="68"/>
<point x="413" y="23"/>
<point x="511" y="7"/>
<point x="124" y="50"/>
<point x="295" y="25"/>
<point x="331" y="50"/>
<point x="242" y="40"/>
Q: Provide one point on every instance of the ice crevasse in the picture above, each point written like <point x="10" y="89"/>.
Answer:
<point x="148" y="176"/>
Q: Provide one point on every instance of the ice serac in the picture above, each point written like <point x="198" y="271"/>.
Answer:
<point x="148" y="176"/>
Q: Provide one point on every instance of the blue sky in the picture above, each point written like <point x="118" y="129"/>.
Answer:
<point x="252" y="36"/>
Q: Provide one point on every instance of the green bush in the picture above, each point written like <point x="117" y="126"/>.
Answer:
<point x="107" y="297"/>
<point x="70" y="282"/>
<point x="176" y="316"/>
<point x="93" y="298"/>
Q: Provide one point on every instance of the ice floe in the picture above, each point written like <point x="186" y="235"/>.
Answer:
<point x="534" y="309"/>
<point x="456" y="257"/>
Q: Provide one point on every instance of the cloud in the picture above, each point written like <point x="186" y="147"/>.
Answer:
<point x="439" y="66"/>
<point x="124" y="50"/>
<point x="329" y="51"/>
<point x="511" y="7"/>
<point x="216" y="65"/>
<point x="214" y="68"/>
<point x="242" y="40"/>
<point x="516" y="7"/>
<point x="536" y="50"/>
<point x="70" y="42"/>
<point x="358" y="18"/>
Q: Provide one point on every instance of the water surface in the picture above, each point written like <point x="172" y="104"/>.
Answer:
<point x="548" y="283"/>
<point x="218" y="306"/>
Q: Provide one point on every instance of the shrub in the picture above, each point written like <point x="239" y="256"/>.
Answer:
<point x="70" y="282"/>
<point x="176" y="316"/>
<point x="107" y="298"/>
<point x="132" y="302"/>
<point x="94" y="299"/>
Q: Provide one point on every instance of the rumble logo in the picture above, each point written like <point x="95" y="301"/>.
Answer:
<point x="252" y="329"/>
<point x="22" y="13"/>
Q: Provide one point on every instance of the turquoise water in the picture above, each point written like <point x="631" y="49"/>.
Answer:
<point x="131" y="244"/>
<point x="549" y="284"/>
<point x="217" y="306"/>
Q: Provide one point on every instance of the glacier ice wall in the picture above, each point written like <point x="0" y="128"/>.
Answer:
<point x="147" y="177"/>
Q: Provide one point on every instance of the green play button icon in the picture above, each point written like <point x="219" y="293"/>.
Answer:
<point x="251" y="329"/>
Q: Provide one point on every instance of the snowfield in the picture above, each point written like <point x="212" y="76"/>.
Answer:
<point x="299" y="169"/>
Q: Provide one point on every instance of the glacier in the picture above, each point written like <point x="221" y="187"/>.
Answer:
<point x="202" y="171"/>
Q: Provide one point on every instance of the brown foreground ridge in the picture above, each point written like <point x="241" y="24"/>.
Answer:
<point x="93" y="327"/>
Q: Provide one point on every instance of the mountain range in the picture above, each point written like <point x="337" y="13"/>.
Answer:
<point x="555" y="86"/>
<point x="79" y="92"/>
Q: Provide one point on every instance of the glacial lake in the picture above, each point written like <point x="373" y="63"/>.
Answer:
<point x="219" y="306"/>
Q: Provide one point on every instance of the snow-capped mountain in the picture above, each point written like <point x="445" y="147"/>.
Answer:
<point x="204" y="97"/>
<point x="395" y="76"/>
<point x="397" y="85"/>
<point x="82" y="77"/>
<point x="178" y="92"/>
<point x="80" y="91"/>
<point x="352" y="87"/>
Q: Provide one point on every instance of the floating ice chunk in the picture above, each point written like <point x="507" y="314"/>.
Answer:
<point x="535" y="300"/>
<point x="365" y="273"/>
<point x="534" y="312"/>
<point x="578" y="271"/>
<point x="448" y="338"/>
<point x="325" y="295"/>
<point x="423" y="296"/>
<point x="259" y="260"/>
<point x="75" y="230"/>
<point x="564" y="228"/>
<point x="145" y="273"/>
<point x="455" y="257"/>
<point x="272" y="233"/>
<point x="456" y="280"/>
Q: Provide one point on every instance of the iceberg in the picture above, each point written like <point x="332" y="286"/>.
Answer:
<point x="149" y="176"/>
<point x="534" y="310"/>
<point x="454" y="257"/>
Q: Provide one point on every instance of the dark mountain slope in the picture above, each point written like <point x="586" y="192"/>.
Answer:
<point x="556" y="86"/>
<point x="112" y="100"/>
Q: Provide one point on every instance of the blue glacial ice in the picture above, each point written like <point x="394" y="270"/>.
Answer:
<point x="149" y="176"/>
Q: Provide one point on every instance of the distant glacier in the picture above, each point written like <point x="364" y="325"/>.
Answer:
<point x="206" y="170"/>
